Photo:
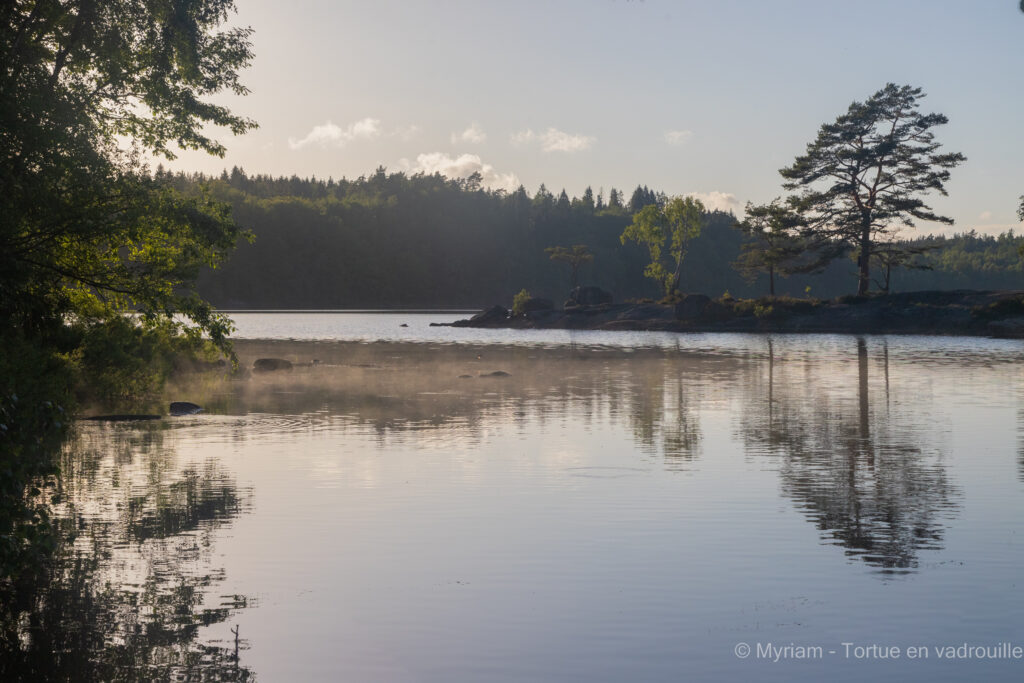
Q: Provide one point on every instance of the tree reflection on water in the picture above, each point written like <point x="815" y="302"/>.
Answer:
<point x="858" y="454"/>
<point x="133" y="581"/>
<point x="870" y="478"/>
<point x="859" y="450"/>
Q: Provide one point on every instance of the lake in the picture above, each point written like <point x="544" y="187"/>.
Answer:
<point x="616" y="506"/>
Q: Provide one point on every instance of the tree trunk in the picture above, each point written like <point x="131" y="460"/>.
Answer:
<point x="864" y="260"/>
<point x="671" y="285"/>
<point x="676" y="277"/>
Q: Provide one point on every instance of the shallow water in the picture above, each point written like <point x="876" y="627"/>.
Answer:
<point x="622" y="506"/>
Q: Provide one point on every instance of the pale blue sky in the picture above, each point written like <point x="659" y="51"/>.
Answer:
<point x="711" y="97"/>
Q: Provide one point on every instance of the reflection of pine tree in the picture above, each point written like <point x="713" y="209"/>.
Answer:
<point x="868" y="480"/>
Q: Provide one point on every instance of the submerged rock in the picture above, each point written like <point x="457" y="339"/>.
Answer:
<point x="184" y="408"/>
<point x="271" y="364"/>
<point x="496" y="373"/>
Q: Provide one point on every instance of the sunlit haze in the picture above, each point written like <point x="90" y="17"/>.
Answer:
<point x="709" y="98"/>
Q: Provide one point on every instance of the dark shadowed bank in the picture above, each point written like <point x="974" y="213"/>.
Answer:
<point x="958" y="312"/>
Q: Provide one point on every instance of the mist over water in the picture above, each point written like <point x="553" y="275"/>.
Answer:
<point x="608" y="510"/>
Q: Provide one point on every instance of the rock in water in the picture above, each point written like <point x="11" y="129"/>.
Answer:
<point x="496" y="373"/>
<point x="271" y="364"/>
<point x="179" y="408"/>
<point x="493" y="314"/>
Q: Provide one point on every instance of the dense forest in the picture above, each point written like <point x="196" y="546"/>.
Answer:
<point x="395" y="240"/>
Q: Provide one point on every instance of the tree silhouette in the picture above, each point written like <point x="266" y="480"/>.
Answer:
<point x="574" y="256"/>
<point x="775" y="246"/>
<point x="865" y="174"/>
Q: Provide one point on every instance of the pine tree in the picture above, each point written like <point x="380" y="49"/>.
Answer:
<point x="865" y="174"/>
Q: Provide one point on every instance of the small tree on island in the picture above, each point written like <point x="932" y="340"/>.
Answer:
<point x="1020" y="209"/>
<point x="575" y="256"/>
<point x="776" y="246"/>
<point x="519" y="302"/>
<point x="864" y="175"/>
<point x="893" y="254"/>
<point x="667" y="230"/>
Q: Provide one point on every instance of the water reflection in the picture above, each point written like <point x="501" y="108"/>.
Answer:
<point x="396" y="389"/>
<point x="417" y="510"/>
<point x="871" y="480"/>
<point x="134" y="581"/>
<point x="870" y="476"/>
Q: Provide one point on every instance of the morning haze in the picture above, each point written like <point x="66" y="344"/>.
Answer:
<point x="452" y="341"/>
<point x="681" y="96"/>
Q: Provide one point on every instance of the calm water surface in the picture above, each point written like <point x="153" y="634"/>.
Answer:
<point x="621" y="506"/>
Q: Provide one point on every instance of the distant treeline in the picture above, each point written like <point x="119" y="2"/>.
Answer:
<point x="395" y="240"/>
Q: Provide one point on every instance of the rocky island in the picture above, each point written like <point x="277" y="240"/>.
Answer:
<point x="954" y="312"/>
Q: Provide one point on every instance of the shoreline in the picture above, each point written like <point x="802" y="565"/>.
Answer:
<point x="984" y="313"/>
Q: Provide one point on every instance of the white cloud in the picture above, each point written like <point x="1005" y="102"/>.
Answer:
<point x="474" y="134"/>
<point x="329" y="134"/>
<point x="714" y="200"/>
<point x="554" y="140"/>
<point x="461" y="166"/>
<point x="985" y="216"/>
<point x="678" y="137"/>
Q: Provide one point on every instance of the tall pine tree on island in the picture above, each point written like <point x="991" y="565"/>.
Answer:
<point x="866" y="174"/>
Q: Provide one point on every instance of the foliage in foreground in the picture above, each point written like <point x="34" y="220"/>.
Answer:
<point x="91" y="239"/>
<point x="86" y="229"/>
<point x="35" y="397"/>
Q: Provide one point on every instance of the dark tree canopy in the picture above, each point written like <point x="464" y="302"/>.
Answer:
<point x="893" y="254"/>
<point x="85" y="228"/>
<point x="866" y="174"/>
<point x="774" y="244"/>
